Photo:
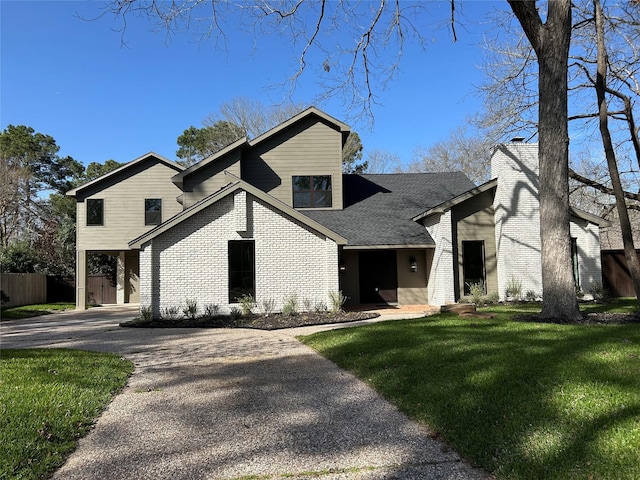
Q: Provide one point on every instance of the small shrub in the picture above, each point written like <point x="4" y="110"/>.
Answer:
<point x="493" y="298"/>
<point x="514" y="289"/>
<point x="268" y="306"/>
<point x="320" y="307"/>
<point x="170" y="313"/>
<point x="290" y="306"/>
<point x="235" y="313"/>
<point x="530" y="296"/>
<point x="476" y="292"/>
<point x="211" y="310"/>
<point x="247" y="304"/>
<point x="4" y="298"/>
<point x="190" y="310"/>
<point x="465" y="299"/>
<point x="599" y="293"/>
<point x="146" y="313"/>
<point x="337" y="300"/>
<point x="306" y="305"/>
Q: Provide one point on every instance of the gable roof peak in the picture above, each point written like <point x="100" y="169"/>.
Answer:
<point x="340" y="126"/>
<point x="126" y="166"/>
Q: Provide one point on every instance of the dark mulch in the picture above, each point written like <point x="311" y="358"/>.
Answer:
<point x="602" y="318"/>
<point x="272" y="322"/>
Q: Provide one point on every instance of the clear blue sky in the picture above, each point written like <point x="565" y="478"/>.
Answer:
<point x="72" y="79"/>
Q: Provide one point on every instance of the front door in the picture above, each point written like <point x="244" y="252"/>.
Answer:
<point x="378" y="276"/>
<point x="473" y="268"/>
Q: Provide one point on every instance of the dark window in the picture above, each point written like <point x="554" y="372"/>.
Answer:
<point x="152" y="211"/>
<point x="574" y="262"/>
<point x="311" y="191"/>
<point x="242" y="268"/>
<point x="95" y="211"/>
<point x="473" y="265"/>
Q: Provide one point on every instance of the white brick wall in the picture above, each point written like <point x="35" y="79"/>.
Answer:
<point x="440" y="287"/>
<point x="191" y="259"/>
<point x="517" y="217"/>
<point x="589" y="265"/>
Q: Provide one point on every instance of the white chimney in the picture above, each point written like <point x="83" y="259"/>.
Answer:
<point x="517" y="216"/>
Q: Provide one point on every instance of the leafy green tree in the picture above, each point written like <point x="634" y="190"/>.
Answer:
<point x="352" y="155"/>
<point x="29" y="167"/>
<point x="95" y="170"/>
<point x="19" y="257"/>
<point x="199" y="143"/>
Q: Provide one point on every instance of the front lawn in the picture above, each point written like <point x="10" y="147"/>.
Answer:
<point x="27" y="311"/>
<point x="521" y="400"/>
<point x="48" y="400"/>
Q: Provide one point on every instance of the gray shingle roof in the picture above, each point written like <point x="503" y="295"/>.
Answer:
<point x="378" y="208"/>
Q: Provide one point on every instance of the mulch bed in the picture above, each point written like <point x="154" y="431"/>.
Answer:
<point x="271" y="322"/>
<point x="602" y="318"/>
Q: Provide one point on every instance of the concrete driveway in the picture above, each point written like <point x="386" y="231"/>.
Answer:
<point x="234" y="404"/>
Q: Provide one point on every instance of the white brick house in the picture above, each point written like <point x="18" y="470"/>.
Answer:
<point x="501" y="218"/>
<point x="275" y="217"/>
<point x="188" y="256"/>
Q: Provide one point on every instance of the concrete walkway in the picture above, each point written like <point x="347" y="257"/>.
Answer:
<point x="234" y="404"/>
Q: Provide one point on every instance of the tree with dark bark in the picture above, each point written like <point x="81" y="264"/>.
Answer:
<point x="604" y="72"/>
<point x="601" y="91"/>
<point x="550" y="41"/>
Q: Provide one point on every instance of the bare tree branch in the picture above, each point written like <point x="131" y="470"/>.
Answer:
<point x="600" y="187"/>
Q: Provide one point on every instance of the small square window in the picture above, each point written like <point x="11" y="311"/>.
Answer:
<point x="152" y="211"/>
<point x="95" y="211"/>
<point x="311" y="191"/>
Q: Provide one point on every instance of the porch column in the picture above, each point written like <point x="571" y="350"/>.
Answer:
<point x="81" y="279"/>
<point x="121" y="279"/>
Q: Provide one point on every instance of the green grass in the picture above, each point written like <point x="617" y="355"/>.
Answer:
<point x="48" y="400"/>
<point x="27" y="311"/>
<point x="617" y="305"/>
<point x="521" y="400"/>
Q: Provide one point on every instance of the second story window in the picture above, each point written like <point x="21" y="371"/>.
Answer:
<point x="311" y="191"/>
<point x="95" y="211"/>
<point x="152" y="211"/>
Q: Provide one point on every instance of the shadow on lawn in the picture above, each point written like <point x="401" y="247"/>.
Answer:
<point x="522" y="400"/>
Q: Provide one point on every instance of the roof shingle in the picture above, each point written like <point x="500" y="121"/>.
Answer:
<point x="378" y="208"/>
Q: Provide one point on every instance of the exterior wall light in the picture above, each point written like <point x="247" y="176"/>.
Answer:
<point x="342" y="268"/>
<point x="414" y="264"/>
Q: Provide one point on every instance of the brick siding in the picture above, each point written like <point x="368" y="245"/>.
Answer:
<point x="190" y="260"/>
<point x="441" y="286"/>
<point x="517" y="217"/>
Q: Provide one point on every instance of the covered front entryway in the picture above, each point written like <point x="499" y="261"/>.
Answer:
<point x="107" y="277"/>
<point x="378" y="275"/>
<point x="384" y="276"/>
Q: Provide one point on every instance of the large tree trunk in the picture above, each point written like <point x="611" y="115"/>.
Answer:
<point x="551" y="41"/>
<point x="603" y="111"/>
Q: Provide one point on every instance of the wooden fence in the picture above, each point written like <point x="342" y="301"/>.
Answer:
<point x="615" y="273"/>
<point x="32" y="288"/>
<point x="24" y="288"/>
